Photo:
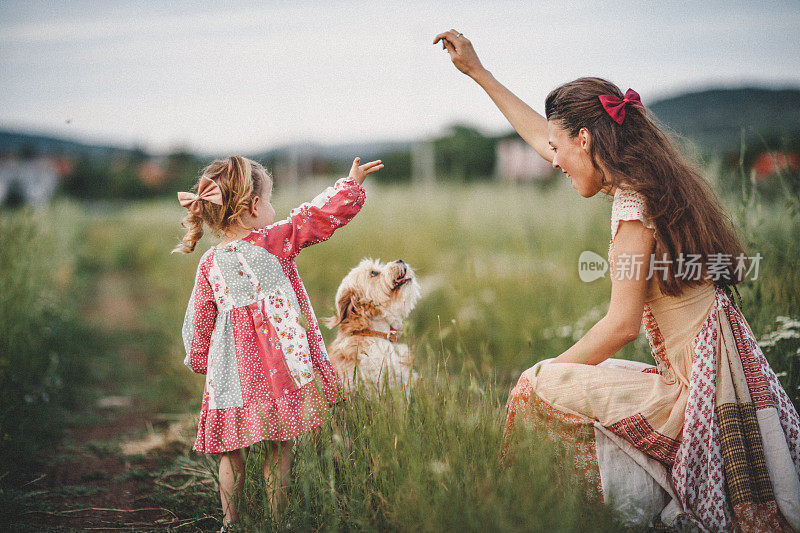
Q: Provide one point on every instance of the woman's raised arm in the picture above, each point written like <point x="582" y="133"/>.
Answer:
<point x="530" y="125"/>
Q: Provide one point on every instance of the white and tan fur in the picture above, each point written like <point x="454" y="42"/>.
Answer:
<point x="374" y="296"/>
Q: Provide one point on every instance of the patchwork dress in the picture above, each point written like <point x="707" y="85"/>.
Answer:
<point x="706" y="436"/>
<point x="250" y="329"/>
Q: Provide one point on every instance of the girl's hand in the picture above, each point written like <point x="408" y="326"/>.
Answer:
<point x="360" y="173"/>
<point x="461" y="52"/>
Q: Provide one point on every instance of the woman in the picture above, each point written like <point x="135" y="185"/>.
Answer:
<point x="708" y="435"/>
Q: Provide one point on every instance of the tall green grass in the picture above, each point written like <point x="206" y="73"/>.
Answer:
<point x="493" y="263"/>
<point x="428" y="465"/>
<point x="44" y="344"/>
<point x="498" y="266"/>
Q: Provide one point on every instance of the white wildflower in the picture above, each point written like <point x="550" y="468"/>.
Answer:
<point x="439" y="467"/>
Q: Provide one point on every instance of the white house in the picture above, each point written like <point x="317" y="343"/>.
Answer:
<point x="36" y="178"/>
<point x="517" y="161"/>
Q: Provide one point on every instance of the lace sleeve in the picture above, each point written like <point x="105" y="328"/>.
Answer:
<point x="628" y="205"/>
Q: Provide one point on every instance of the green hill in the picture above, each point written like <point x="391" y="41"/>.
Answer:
<point x="37" y="144"/>
<point x="715" y="118"/>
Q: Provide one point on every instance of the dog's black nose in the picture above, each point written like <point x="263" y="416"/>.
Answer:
<point x="400" y="261"/>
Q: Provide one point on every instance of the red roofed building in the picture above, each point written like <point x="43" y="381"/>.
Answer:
<point x="768" y="163"/>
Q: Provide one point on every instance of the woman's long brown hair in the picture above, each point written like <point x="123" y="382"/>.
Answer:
<point x="688" y="215"/>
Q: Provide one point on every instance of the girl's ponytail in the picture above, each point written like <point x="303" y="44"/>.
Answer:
<point x="194" y="231"/>
<point x="240" y="179"/>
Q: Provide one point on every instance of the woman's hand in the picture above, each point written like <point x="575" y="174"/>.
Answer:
<point x="461" y="52"/>
<point x="360" y="172"/>
<point x="530" y="125"/>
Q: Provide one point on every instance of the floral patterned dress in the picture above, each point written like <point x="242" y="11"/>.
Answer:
<point x="250" y="329"/>
<point x="706" y="436"/>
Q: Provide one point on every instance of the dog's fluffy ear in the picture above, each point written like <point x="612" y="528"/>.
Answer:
<point x="350" y="307"/>
<point x="344" y="306"/>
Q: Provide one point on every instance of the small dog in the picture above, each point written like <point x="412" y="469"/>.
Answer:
<point x="371" y="303"/>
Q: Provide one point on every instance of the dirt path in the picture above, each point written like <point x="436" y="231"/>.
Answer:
<point x="127" y="471"/>
<point x="119" y="467"/>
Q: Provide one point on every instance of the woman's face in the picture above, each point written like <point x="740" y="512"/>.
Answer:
<point x="571" y="156"/>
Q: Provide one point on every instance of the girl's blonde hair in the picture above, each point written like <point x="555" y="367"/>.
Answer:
<point x="239" y="179"/>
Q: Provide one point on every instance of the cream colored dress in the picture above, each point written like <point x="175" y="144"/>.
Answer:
<point x="637" y="414"/>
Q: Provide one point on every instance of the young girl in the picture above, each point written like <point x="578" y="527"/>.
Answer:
<point x="249" y="325"/>
<point x="708" y="435"/>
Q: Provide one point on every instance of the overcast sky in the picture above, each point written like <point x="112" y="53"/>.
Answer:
<point x="247" y="76"/>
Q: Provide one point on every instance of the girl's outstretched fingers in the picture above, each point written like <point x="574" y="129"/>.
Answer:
<point x="372" y="166"/>
<point x="360" y="172"/>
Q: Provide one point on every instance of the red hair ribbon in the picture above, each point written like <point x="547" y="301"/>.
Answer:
<point x="207" y="190"/>
<point x="615" y="106"/>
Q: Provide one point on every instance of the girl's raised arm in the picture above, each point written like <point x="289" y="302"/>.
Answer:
<point x="315" y="221"/>
<point x="530" y="125"/>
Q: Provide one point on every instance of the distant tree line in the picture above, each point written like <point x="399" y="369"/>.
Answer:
<point x="768" y="120"/>
<point x="123" y="177"/>
<point x="462" y="154"/>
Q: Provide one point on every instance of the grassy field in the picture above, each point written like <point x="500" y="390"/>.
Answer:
<point x="498" y="266"/>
